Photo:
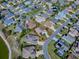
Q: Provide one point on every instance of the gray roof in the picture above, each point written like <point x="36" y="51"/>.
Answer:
<point x="69" y="39"/>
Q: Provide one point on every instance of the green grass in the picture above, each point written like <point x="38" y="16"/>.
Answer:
<point x="62" y="21"/>
<point x="40" y="57"/>
<point x="68" y="16"/>
<point x="64" y="31"/>
<point x="58" y="36"/>
<point x="69" y="25"/>
<point x="38" y="47"/>
<point x="56" y="26"/>
<point x="51" y="49"/>
<point x="3" y="50"/>
<point x="73" y="20"/>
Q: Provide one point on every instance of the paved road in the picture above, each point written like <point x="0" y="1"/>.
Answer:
<point x="4" y="39"/>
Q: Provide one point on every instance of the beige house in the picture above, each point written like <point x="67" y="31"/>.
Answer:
<point x="40" y="19"/>
<point x="29" y="52"/>
<point x="71" y="56"/>
<point x="54" y="1"/>
<point x="69" y="9"/>
<point x="49" y="24"/>
<point x="73" y="32"/>
<point x="32" y="39"/>
<point x="30" y="24"/>
<point x="41" y="31"/>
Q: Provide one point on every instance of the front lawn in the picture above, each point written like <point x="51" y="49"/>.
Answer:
<point x="58" y="36"/>
<point x="56" y="25"/>
<point x="64" y="31"/>
<point x="62" y="21"/>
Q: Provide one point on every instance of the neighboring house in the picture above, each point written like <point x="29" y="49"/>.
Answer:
<point x="56" y="39"/>
<point x="18" y="28"/>
<point x="49" y="24"/>
<point x="1" y="26"/>
<point x="76" y="26"/>
<point x="69" y="39"/>
<point x="62" y="2"/>
<point x="31" y="39"/>
<point x="7" y="17"/>
<point x="69" y="9"/>
<point x="28" y="52"/>
<point x="73" y="32"/>
<point x="4" y="4"/>
<point x="74" y="6"/>
<point x="8" y="22"/>
<point x="39" y="19"/>
<point x="7" y="14"/>
<point x="61" y="14"/>
<point x="54" y="1"/>
<point x="77" y="2"/>
<point x="71" y="56"/>
<point x="41" y="31"/>
<point x="21" y="6"/>
<point x="76" y="49"/>
<point x="62" y="47"/>
<point x="30" y="24"/>
<point x="26" y="10"/>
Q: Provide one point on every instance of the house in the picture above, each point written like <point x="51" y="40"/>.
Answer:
<point x="41" y="31"/>
<point x="26" y="10"/>
<point x="18" y="28"/>
<point x="73" y="32"/>
<point x="7" y="14"/>
<point x="60" y="52"/>
<point x="4" y="12"/>
<point x="1" y="25"/>
<point x="21" y="6"/>
<point x="30" y="24"/>
<point x="56" y="39"/>
<point x="62" y="2"/>
<point x="4" y="4"/>
<point x="77" y="2"/>
<point x="62" y="47"/>
<point x="31" y="38"/>
<point x="61" y="14"/>
<point x="49" y="24"/>
<point x="8" y="22"/>
<point x="76" y="51"/>
<point x="69" y="9"/>
<point x="76" y="26"/>
<point x="28" y="52"/>
<point x="71" y="56"/>
<point x="28" y="2"/>
<point x="39" y="19"/>
<point x="69" y="39"/>
<point x="54" y="1"/>
<point x="49" y="11"/>
<point x="74" y="6"/>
